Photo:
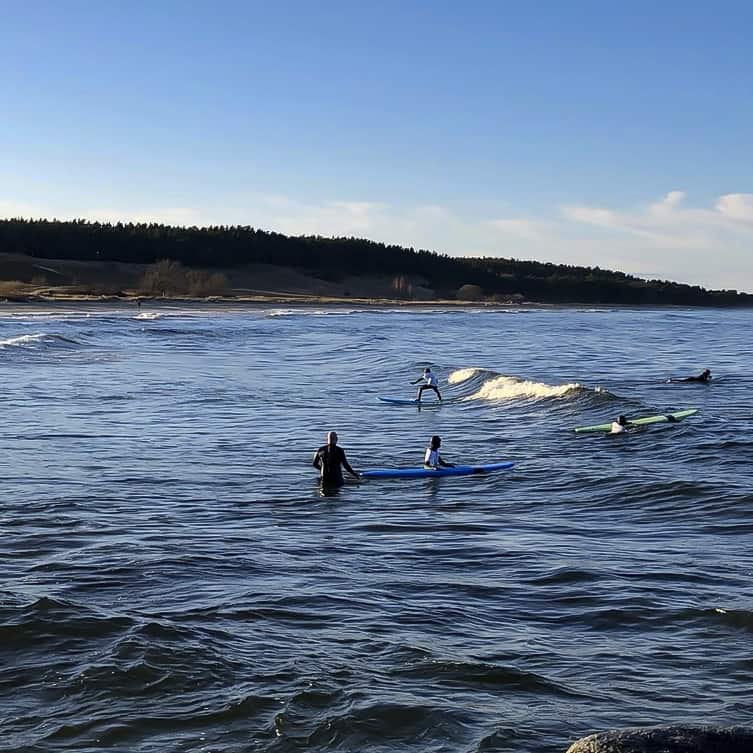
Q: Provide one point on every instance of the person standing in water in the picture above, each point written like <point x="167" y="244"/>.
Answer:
<point x="329" y="460"/>
<point x="430" y="383"/>
<point x="432" y="458"/>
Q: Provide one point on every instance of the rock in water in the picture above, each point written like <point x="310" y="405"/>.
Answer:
<point x="674" y="739"/>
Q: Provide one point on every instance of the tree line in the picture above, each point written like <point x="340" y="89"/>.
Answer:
<point x="227" y="247"/>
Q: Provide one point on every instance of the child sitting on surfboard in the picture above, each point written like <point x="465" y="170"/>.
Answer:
<point x="431" y="383"/>
<point x="432" y="458"/>
<point x="619" y="425"/>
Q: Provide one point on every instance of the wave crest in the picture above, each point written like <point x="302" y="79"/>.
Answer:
<point x="509" y="388"/>
<point x="485" y="384"/>
<point x="39" y="338"/>
<point x="463" y="375"/>
<point x="21" y="340"/>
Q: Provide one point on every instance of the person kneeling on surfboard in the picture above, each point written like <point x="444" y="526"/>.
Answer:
<point x="432" y="458"/>
<point x="619" y="425"/>
<point x="329" y="460"/>
<point x="431" y="383"/>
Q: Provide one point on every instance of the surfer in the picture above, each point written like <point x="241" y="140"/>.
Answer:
<point x="619" y="425"/>
<point x="329" y="460"/>
<point x="704" y="376"/>
<point x="430" y="383"/>
<point x="432" y="458"/>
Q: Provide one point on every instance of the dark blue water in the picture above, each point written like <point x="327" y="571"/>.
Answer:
<point x="173" y="580"/>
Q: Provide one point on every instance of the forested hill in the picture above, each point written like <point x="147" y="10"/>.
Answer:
<point x="227" y="248"/>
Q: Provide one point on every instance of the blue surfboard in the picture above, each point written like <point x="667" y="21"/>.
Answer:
<point x="456" y="470"/>
<point x="402" y="401"/>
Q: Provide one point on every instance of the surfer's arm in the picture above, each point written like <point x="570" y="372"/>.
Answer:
<point x="445" y="465"/>
<point x="317" y="463"/>
<point x="347" y="467"/>
<point x="417" y="380"/>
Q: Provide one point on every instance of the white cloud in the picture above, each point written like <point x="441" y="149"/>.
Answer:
<point x="591" y="216"/>
<point x="186" y="216"/>
<point x="19" y="209"/>
<point x="168" y="215"/>
<point x="737" y="206"/>
<point x="666" y="223"/>
<point x="668" y="238"/>
<point x="672" y="199"/>
<point x="709" y="246"/>
<point x="334" y="218"/>
<point x="520" y="228"/>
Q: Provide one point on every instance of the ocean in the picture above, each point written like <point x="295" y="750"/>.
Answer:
<point x="174" y="579"/>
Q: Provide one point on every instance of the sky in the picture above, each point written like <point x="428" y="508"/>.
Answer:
<point x="603" y="134"/>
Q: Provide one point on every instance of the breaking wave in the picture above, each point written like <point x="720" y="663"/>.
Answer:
<point x="312" y="312"/>
<point x="36" y="340"/>
<point x="489" y="385"/>
<point x="463" y="375"/>
<point x="506" y="388"/>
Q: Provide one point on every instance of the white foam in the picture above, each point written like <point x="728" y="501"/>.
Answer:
<point x="281" y="312"/>
<point x="313" y="312"/>
<point x="22" y="340"/>
<point x="509" y="388"/>
<point x="462" y="375"/>
<point x="148" y="315"/>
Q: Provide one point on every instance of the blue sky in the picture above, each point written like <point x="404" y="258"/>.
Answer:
<point x="616" y="134"/>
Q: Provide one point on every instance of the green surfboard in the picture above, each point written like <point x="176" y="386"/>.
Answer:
<point x="661" y="419"/>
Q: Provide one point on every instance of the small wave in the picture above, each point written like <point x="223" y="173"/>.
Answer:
<point x="21" y="340"/>
<point x="481" y="674"/>
<point x="40" y="338"/>
<point x="281" y="312"/>
<point x="345" y="726"/>
<point x="312" y="312"/>
<point x="484" y="384"/>
<point x="510" y="388"/>
<point x="735" y="618"/>
<point x="48" y="620"/>
<point x="148" y="315"/>
<point x="463" y="375"/>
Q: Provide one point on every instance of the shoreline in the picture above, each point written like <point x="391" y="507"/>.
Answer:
<point x="308" y="301"/>
<point x="275" y="299"/>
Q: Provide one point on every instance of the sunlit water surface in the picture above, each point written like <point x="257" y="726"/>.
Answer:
<point x="173" y="580"/>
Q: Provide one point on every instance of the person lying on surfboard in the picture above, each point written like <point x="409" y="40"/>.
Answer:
<point x="431" y="383"/>
<point x="432" y="458"/>
<point x="619" y="425"/>
<point x="329" y="460"/>
<point x="704" y="376"/>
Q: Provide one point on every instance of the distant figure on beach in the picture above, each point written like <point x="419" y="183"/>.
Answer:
<point x="430" y="383"/>
<point x="329" y="460"/>
<point x="138" y="303"/>
<point x="432" y="458"/>
<point x="619" y="425"/>
<point x="704" y="376"/>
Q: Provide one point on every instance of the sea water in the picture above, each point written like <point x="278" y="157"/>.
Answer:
<point x="174" y="579"/>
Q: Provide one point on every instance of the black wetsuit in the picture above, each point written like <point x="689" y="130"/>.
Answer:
<point x="699" y="378"/>
<point x="330" y="460"/>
